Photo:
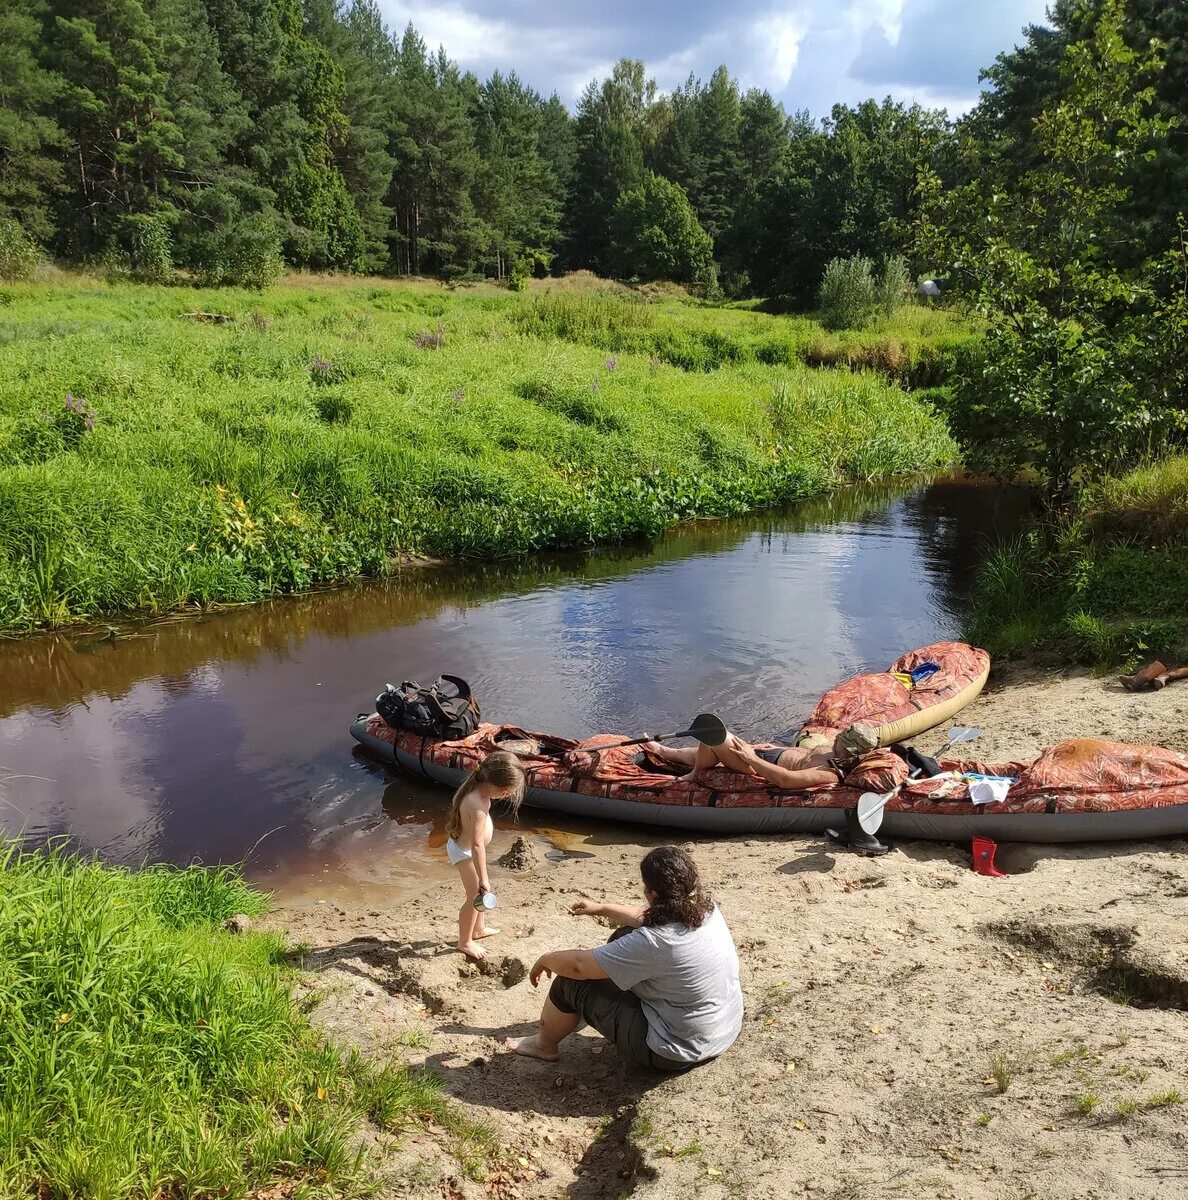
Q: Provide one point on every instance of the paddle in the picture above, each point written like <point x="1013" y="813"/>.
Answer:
<point x="705" y="728"/>
<point x="863" y="821"/>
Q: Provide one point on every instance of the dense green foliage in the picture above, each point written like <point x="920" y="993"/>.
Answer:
<point x="852" y="295"/>
<point x="1105" y="583"/>
<point x="1083" y="369"/>
<point x="147" y="459"/>
<point x="146" y="1052"/>
<point x="657" y="235"/>
<point x="232" y="133"/>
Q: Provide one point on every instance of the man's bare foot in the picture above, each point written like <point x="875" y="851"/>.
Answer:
<point x="530" y="1047"/>
<point x="472" y="951"/>
<point x="690" y="778"/>
<point x="486" y="931"/>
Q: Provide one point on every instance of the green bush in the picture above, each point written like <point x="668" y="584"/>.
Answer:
<point x="245" y="253"/>
<point x="19" y="254"/>
<point x="151" y="255"/>
<point x="849" y="294"/>
<point x="891" y="288"/>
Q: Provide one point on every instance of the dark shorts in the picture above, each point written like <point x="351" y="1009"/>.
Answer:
<point x="771" y="756"/>
<point x="616" y="1014"/>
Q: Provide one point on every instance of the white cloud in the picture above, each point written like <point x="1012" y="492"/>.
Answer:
<point x="777" y="39"/>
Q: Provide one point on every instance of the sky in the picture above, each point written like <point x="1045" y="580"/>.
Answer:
<point x="810" y="54"/>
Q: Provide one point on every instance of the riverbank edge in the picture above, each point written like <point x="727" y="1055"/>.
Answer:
<point x="1103" y="583"/>
<point x="907" y="1019"/>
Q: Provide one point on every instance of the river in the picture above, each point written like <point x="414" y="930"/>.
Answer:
<point x="223" y="737"/>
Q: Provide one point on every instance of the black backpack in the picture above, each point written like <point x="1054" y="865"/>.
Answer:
<point x="445" y="709"/>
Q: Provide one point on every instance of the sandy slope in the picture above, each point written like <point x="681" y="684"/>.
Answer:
<point x="883" y="998"/>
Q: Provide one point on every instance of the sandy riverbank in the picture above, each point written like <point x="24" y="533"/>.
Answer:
<point x="913" y="1029"/>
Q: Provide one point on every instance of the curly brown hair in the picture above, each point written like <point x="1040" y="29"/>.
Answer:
<point x="678" y="897"/>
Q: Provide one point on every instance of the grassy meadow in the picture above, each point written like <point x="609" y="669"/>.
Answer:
<point x="150" y="458"/>
<point x="147" y="1052"/>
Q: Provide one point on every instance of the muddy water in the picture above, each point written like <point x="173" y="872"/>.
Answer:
<point x="224" y="737"/>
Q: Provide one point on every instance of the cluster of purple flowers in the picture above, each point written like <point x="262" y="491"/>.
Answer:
<point x="325" y="370"/>
<point x="459" y="395"/>
<point x="611" y="364"/>
<point x="79" y="407"/>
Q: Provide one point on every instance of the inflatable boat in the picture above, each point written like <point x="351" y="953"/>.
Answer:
<point x="1085" y="790"/>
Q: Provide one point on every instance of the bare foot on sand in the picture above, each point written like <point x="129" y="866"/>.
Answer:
<point x="487" y="931"/>
<point x="472" y="951"/>
<point x="530" y="1047"/>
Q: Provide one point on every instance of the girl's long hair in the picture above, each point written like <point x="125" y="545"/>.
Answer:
<point x="669" y="874"/>
<point x="498" y="770"/>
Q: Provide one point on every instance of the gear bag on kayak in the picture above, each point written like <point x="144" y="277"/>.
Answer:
<point x="445" y="709"/>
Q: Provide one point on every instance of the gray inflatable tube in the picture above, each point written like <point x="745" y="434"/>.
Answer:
<point x="1124" y="825"/>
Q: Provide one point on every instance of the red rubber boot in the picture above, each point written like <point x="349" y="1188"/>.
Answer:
<point x="983" y="857"/>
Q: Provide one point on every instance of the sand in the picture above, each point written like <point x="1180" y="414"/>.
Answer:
<point x="913" y="1029"/>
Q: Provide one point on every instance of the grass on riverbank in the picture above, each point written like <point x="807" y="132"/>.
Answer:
<point x="145" y="1052"/>
<point x="149" y="458"/>
<point x="1108" y="585"/>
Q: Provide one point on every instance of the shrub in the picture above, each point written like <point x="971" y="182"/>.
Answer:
<point x="151" y="256"/>
<point x="849" y="295"/>
<point x="892" y="286"/>
<point x="19" y="255"/>
<point x="246" y="253"/>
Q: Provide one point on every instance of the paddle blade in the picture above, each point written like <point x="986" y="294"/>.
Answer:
<point x="963" y="733"/>
<point x="708" y="729"/>
<point x="870" y="811"/>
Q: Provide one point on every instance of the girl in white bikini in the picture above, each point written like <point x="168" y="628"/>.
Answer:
<point x="469" y="828"/>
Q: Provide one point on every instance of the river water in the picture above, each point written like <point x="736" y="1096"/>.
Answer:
<point x="224" y="737"/>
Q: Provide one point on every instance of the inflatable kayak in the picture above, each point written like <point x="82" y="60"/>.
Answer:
<point x="1084" y="790"/>
<point x="1079" y="791"/>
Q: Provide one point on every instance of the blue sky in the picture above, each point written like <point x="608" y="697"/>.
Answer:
<point x="807" y="53"/>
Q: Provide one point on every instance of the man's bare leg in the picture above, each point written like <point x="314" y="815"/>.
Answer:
<point x="682" y="756"/>
<point x="555" y="1026"/>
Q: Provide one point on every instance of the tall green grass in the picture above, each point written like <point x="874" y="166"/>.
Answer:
<point x="144" y="1052"/>
<point x="1105" y="584"/>
<point x="329" y="429"/>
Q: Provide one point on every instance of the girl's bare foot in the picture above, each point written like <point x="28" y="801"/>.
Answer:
<point x="530" y="1047"/>
<point x="486" y="931"/>
<point x="472" y="951"/>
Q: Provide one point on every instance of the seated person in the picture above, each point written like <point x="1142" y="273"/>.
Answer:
<point x="791" y="768"/>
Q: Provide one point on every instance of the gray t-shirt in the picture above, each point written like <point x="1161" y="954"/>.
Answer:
<point x="687" y="980"/>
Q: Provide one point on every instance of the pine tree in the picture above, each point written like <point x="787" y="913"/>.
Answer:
<point x="610" y="159"/>
<point x="123" y="138"/>
<point x="360" y="46"/>
<point x="516" y="191"/>
<point x="432" y="143"/>
<point x="31" y="142"/>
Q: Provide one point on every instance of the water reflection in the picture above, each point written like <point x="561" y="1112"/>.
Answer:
<point x="225" y="735"/>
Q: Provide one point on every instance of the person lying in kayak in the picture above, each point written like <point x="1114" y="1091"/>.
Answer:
<point x="790" y="768"/>
<point x="665" y="987"/>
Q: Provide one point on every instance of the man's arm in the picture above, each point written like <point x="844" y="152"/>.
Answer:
<point x="792" y="781"/>
<point x="572" y="964"/>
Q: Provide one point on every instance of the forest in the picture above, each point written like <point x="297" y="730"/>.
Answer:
<point x="231" y="139"/>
